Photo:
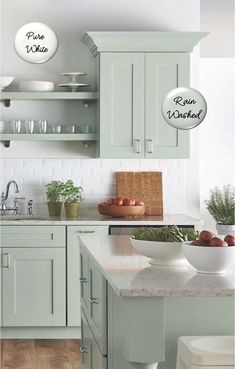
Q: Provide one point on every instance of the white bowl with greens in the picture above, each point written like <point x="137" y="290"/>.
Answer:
<point x="163" y="245"/>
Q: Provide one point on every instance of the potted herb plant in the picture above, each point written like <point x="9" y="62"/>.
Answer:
<point x="72" y="195"/>
<point x="54" y="203"/>
<point x="221" y="205"/>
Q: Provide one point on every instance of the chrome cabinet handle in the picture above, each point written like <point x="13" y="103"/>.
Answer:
<point x="149" y="146"/>
<point x="93" y="300"/>
<point x="6" y="261"/>
<point x="83" y="349"/>
<point x="83" y="280"/>
<point x="137" y="146"/>
<point x="86" y="231"/>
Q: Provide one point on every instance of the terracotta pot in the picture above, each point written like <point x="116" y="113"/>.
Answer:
<point x="54" y="208"/>
<point x="71" y="209"/>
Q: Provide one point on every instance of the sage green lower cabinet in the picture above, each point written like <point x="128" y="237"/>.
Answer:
<point x="94" y="300"/>
<point x="33" y="287"/>
<point x="33" y="276"/>
<point x="92" y="358"/>
<point x="140" y="331"/>
<point x="73" y="269"/>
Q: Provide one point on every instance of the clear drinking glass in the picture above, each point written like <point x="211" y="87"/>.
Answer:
<point x="29" y="126"/>
<point x="56" y="128"/>
<point x="42" y="126"/>
<point x="16" y="126"/>
<point x="85" y="128"/>
<point x="71" y="129"/>
<point x="3" y="127"/>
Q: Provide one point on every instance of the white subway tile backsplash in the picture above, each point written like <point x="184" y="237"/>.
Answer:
<point x="97" y="176"/>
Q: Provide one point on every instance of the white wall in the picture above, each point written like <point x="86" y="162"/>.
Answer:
<point x="218" y="17"/>
<point x="217" y="133"/>
<point x="33" y="164"/>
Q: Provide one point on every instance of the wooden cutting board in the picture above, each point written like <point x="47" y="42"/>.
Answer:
<point x="145" y="186"/>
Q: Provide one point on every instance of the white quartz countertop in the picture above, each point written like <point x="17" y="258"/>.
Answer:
<point x="92" y="217"/>
<point x="131" y="275"/>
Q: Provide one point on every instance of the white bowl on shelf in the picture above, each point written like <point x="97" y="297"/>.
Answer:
<point x="209" y="259"/>
<point x="161" y="253"/>
<point x="5" y="81"/>
<point x="36" y="86"/>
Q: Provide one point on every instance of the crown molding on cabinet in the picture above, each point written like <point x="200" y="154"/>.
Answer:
<point x="141" y="41"/>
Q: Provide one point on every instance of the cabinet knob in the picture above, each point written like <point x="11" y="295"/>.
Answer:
<point x="149" y="146"/>
<point x="137" y="146"/>
<point x="83" y="280"/>
<point x="83" y="349"/>
<point x="93" y="300"/>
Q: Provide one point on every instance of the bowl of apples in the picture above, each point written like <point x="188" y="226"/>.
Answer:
<point x="120" y="207"/>
<point x="210" y="254"/>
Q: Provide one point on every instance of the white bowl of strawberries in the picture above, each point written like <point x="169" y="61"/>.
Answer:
<point x="210" y="254"/>
<point x="122" y="207"/>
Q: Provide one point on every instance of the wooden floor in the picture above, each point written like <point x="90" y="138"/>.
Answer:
<point x="40" y="354"/>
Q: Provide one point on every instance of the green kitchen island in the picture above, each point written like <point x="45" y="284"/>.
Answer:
<point x="133" y="313"/>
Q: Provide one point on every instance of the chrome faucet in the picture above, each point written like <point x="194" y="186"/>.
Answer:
<point x="4" y="197"/>
<point x="30" y="208"/>
<point x="8" y="188"/>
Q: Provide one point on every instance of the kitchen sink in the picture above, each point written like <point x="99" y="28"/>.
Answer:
<point x="22" y="217"/>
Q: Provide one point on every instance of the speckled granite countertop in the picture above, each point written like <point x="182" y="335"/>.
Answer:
<point x="92" y="217"/>
<point x="131" y="275"/>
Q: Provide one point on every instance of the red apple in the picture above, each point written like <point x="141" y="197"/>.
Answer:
<point x="230" y="240"/>
<point x="139" y="203"/>
<point x="205" y="237"/>
<point x="111" y="201"/>
<point x="217" y="242"/>
<point x="119" y="201"/>
<point x="196" y="243"/>
<point x="132" y="201"/>
<point x="128" y="201"/>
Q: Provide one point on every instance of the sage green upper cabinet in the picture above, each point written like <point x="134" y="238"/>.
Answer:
<point x="122" y="105"/>
<point x="164" y="72"/>
<point x="135" y="72"/>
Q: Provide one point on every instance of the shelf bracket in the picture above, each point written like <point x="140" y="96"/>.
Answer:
<point x="6" y="143"/>
<point x="85" y="144"/>
<point x="86" y="104"/>
<point x="6" y="102"/>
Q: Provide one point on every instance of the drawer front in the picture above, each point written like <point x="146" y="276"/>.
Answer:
<point x="33" y="236"/>
<point x="92" y="358"/>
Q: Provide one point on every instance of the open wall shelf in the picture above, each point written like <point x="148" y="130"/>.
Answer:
<point x="7" y="97"/>
<point x="6" y="138"/>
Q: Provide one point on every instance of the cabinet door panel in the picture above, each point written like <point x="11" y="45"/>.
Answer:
<point x="164" y="72"/>
<point x="86" y="337"/>
<point x="98" y="309"/>
<point x="74" y="272"/>
<point x="85" y="277"/>
<point x="33" y="287"/>
<point x="91" y="355"/>
<point x="121" y="105"/>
